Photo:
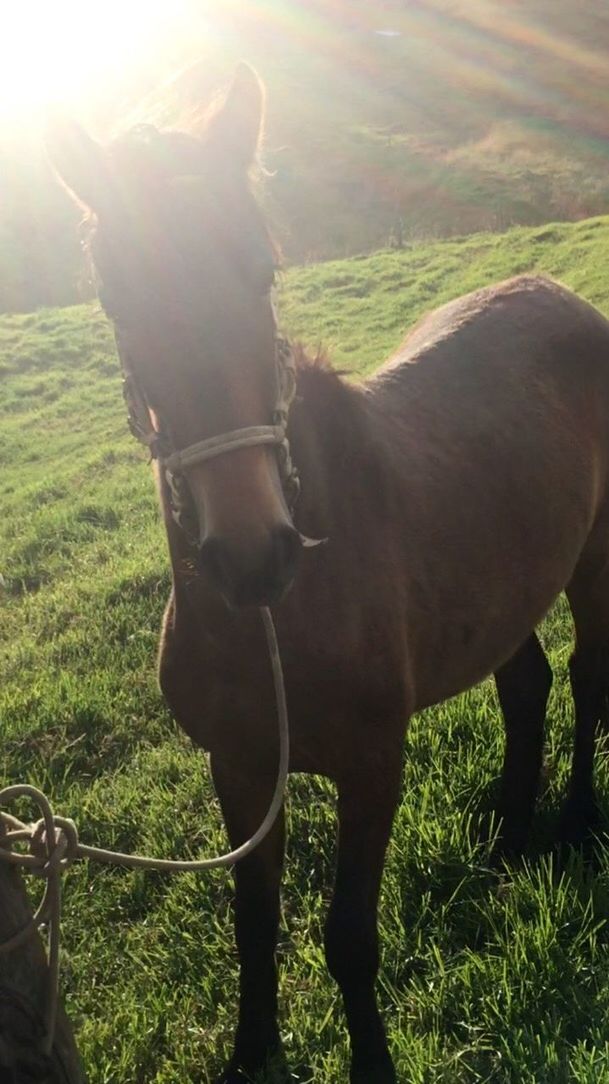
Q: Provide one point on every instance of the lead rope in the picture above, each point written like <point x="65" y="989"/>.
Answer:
<point x="54" y="846"/>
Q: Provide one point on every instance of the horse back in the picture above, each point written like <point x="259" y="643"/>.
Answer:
<point x="493" y="423"/>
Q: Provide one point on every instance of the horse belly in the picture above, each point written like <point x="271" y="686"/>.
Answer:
<point x="485" y="605"/>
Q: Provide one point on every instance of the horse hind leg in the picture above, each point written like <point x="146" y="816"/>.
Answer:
<point x="588" y="595"/>
<point x="523" y="686"/>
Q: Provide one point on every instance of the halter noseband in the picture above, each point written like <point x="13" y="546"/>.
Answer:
<point x="174" y="463"/>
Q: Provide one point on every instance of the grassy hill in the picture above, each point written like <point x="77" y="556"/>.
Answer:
<point x="406" y="120"/>
<point x="484" y="977"/>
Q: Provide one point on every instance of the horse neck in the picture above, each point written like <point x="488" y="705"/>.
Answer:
<point x="332" y="448"/>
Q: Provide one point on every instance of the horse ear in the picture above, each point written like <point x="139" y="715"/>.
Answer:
<point x="80" y="162"/>
<point x="234" y="129"/>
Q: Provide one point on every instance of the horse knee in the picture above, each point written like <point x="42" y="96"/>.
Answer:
<point x="256" y="911"/>
<point x="351" y="945"/>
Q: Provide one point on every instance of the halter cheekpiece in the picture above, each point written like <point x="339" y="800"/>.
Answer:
<point x="174" y="463"/>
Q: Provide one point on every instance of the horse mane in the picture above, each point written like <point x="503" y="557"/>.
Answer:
<point x="317" y="368"/>
<point x="304" y="360"/>
<point x="336" y="408"/>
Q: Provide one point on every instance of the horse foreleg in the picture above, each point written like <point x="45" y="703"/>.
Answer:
<point x="365" y="811"/>
<point x="244" y="802"/>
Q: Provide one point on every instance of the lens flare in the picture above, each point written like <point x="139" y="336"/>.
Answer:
<point x="56" y="54"/>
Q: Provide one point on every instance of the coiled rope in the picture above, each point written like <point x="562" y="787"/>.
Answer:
<point x="54" y="845"/>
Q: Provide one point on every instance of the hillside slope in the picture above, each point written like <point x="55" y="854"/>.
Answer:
<point x="485" y="978"/>
<point x="420" y="119"/>
<point x="360" y="308"/>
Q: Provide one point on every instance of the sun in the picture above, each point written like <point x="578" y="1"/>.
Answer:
<point x="61" y="53"/>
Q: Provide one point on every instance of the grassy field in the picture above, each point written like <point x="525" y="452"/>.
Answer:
<point x="485" y="977"/>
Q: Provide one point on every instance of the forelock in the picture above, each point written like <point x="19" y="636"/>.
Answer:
<point x="146" y="153"/>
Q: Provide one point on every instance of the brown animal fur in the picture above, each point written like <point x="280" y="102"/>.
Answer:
<point x="461" y="489"/>
<point x="436" y="483"/>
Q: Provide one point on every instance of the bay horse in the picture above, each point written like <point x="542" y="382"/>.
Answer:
<point x="460" y="489"/>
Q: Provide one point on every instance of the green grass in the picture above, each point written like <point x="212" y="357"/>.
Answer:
<point x="483" y="978"/>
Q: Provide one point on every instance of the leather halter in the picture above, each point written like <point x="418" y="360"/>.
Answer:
<point x="174" y="463"/>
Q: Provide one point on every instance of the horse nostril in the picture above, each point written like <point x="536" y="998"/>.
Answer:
<point x="249" y="577"/>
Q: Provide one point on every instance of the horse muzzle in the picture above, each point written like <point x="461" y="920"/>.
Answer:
<point x="252" y="576"/>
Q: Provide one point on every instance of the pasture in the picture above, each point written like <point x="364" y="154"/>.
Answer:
<point x="484" y="977"/>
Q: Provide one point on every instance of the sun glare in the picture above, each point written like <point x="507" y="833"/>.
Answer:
<point x="61" y="53"/>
